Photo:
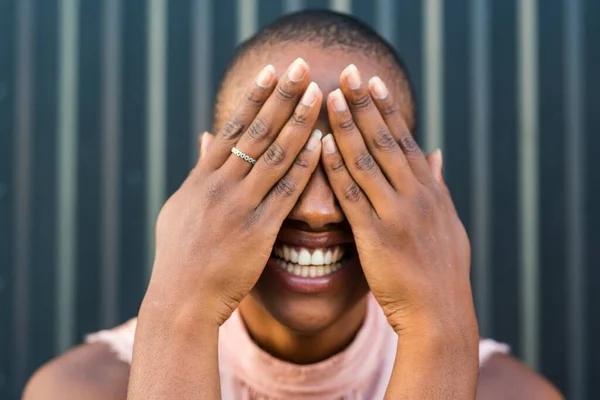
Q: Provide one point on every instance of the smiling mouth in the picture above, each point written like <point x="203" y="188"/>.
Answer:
<point x="311" y="262"/>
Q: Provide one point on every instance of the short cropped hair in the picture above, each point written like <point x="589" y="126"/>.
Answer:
<point x="327" y="29"/>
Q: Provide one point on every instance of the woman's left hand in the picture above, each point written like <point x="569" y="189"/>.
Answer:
<point x="412" y="246"/>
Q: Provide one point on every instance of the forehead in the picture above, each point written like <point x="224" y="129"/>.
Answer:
<point x="326" y="65"/>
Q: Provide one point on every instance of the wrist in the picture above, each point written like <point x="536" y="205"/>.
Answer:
<point x="178" y="315"/>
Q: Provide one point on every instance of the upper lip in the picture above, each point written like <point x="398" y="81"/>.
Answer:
<point x="307" y="239"/>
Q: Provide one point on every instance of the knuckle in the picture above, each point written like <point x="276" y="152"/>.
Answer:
<point x="365" y="162"/>
<point x="255" y="98"/>
<point x="347" y="125"/>
<point x="284" y="94"/>
<point x="352" y="193"/>
<point x="302" y="160"/>
<point x="388" y="108"/>
<point x="300" y="117"/>
<point x="423" y="205"/>
<point x="259" y="129"/>
<point x="286" y="186"/>
<point x="274" y="155"/>
<point x="232" y="128"/>
<point x="361" y="103"/>
<point x="337" y="164"/>
<point x="384" y="140"/>
<point x="250" y="222"/>
<point x="408" y="143"/>
<point x="215" y="191"/>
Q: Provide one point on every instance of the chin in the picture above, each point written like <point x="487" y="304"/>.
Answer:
<point x="308" y="314"/>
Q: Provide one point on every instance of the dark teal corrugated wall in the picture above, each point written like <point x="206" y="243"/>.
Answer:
<point x="101" y="101"/>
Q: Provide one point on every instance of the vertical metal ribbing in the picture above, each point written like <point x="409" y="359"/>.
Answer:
<point x="67" y="174"/>
<point x="343" y="6"/>
<point x="481" y="161"/>
<point x="156" y="121"/>
<point x="385" y="19"/>
<point x="528" y="178"/>
<point x="111" y="135"/>
<point x="433" y="26"/>
<point x="575" y="197"/>
<point x="201" y="72"/>
<point x="23" y="184"/>
<point x="247" y="18"/>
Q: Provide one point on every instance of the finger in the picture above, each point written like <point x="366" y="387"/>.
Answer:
<point x="205" y="142"/>
<point x="241" y="118"/>
<point x="286" y="192"/>
<point x="393" y="118"/>
<point x="359" y="161"/>
<point x="279" y="157"/>
<point x="435" y="163"/>
<point x="352" y="199"/>
<point x="376" y="134"/>
<point x="270" y="119"/>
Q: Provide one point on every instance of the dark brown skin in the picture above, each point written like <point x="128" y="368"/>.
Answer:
<point x="387" y="191"/>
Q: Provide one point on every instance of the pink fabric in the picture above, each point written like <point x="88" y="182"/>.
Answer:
<point x="362" y="371"/>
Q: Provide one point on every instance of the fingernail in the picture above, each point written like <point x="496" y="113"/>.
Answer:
<point x="310" y="96"/>
<point x="329" y="144"/>
<point x="338" y="101"/>
<point x="265" y="77"/>
<point x="297" y="70"/>
<point x="353" y="77"/>
<point x="378" y="88"/>
<point x="439" y="152"/>
<point x="313" y="141"/>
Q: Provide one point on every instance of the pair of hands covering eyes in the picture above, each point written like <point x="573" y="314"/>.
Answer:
<point x="216" y="233"/>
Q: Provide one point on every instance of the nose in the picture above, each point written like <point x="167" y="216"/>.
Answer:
<point x="317" y="207"/>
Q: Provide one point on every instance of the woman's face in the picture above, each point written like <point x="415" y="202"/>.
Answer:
<point x="313" y="277"/>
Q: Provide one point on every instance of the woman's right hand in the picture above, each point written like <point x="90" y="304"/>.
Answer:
<point x="216" y="233"/>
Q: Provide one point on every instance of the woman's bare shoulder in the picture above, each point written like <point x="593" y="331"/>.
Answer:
<point x="505" y="377"/>
<point x="89" y="371"/>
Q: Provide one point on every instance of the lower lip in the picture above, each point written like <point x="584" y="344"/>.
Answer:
<point x="307" y="285"/>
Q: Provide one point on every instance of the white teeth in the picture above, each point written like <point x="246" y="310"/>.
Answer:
<point x="327" y="259"/>
<point x="307" y="256"/>
<point x="317" y="258"/>
<point x="304" y="258"/>
<point x="313" y="271"/>
<point x="336" y="255"/>
<point x="293" y="256"/>
<point x="286" y="253"/>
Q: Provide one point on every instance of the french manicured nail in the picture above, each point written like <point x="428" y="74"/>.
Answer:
<point x="265" y="77"/>
<point x="329" y="144"/>
<point x="310" y="96"/>
<point x="353" y="77"/>
<point x="313" y="141"/>
<point x="338" y="101"/>
<point x="378" y="88"/>
<point x="297" y="70"/>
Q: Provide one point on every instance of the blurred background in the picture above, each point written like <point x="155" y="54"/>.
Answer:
<point x="101" y="102"/>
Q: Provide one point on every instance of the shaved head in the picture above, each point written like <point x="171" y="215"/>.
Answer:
<point x="322" y="30"/>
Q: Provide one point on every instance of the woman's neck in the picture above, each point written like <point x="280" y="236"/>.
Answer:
<point x="285" y="344"/>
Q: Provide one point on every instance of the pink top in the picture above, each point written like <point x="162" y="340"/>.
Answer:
<point x="361" y="371"/>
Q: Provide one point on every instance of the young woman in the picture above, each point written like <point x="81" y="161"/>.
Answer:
<point x="296" y="265"/>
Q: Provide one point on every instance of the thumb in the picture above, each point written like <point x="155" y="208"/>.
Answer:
<point x="435" y="162"/>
